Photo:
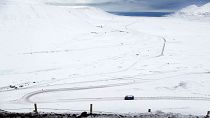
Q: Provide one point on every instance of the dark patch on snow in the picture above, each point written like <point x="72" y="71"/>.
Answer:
<point x="158" y="114"/>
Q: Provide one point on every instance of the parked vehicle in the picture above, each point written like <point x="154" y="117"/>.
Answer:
<point x="129" y="97"/>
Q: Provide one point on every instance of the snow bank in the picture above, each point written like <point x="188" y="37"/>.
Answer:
<point x="91" y="12"/>
<point x="16" y="9"/>
<point x="85" y="11"/>
<point x="193" y="10"/>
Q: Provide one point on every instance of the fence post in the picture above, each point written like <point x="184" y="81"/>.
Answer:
<point x="208" y="114"/>
<point x="35" y="108"/>
<point x="91" y="109"/>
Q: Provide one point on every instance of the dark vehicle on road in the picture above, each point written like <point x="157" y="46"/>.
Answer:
<point x="129" y="97"/>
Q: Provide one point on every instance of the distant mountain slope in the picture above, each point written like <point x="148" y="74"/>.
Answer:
<point x="193" y="10"/>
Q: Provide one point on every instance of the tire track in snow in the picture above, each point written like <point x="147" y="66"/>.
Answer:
<point x="138" y="98"/>
<point x="163" y="38"/>
<point x="47" y="83"/>
<point x="163" y="48"/>
<point x="27" y="97"/>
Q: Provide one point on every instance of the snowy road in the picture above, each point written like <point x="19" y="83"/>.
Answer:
<point x="89" y="56"/>
<point x="27" y="97"/>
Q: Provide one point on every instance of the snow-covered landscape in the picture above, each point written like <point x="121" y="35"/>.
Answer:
<point x="194" y="10"/>
<point x="65" y="58"/>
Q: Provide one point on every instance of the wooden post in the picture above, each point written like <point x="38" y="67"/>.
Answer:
<point x="35" y="108"/>
<point x="149" y="110"/>
<point x="91" y="109"/>
<point x="208" y="114"/>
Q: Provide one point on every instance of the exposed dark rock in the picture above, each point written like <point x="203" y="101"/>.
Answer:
<point x="4" y="114"/>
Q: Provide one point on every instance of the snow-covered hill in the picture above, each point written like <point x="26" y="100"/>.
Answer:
<point x="193" y="10"/>
<point x="65" y="57"/>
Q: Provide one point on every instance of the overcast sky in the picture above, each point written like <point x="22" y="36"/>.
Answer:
<point x="138" y="5"/>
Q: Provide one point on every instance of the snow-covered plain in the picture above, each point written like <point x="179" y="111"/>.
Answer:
<point x="64" y="58"/>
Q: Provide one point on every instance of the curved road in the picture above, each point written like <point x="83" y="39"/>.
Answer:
<point x="27" y="97"/>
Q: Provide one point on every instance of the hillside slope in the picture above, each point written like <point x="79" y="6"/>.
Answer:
<point x="193" y="10"/>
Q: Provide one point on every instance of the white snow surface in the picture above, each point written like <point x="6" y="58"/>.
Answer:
<point x="193" y="10"/>
<point x="64" y="58"/>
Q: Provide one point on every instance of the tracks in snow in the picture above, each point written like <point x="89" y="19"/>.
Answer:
<point x="163" y="47"/>
<point x="98" y="99"/>
<point x="27" y="97"/>
<point x="137" y="98"/>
